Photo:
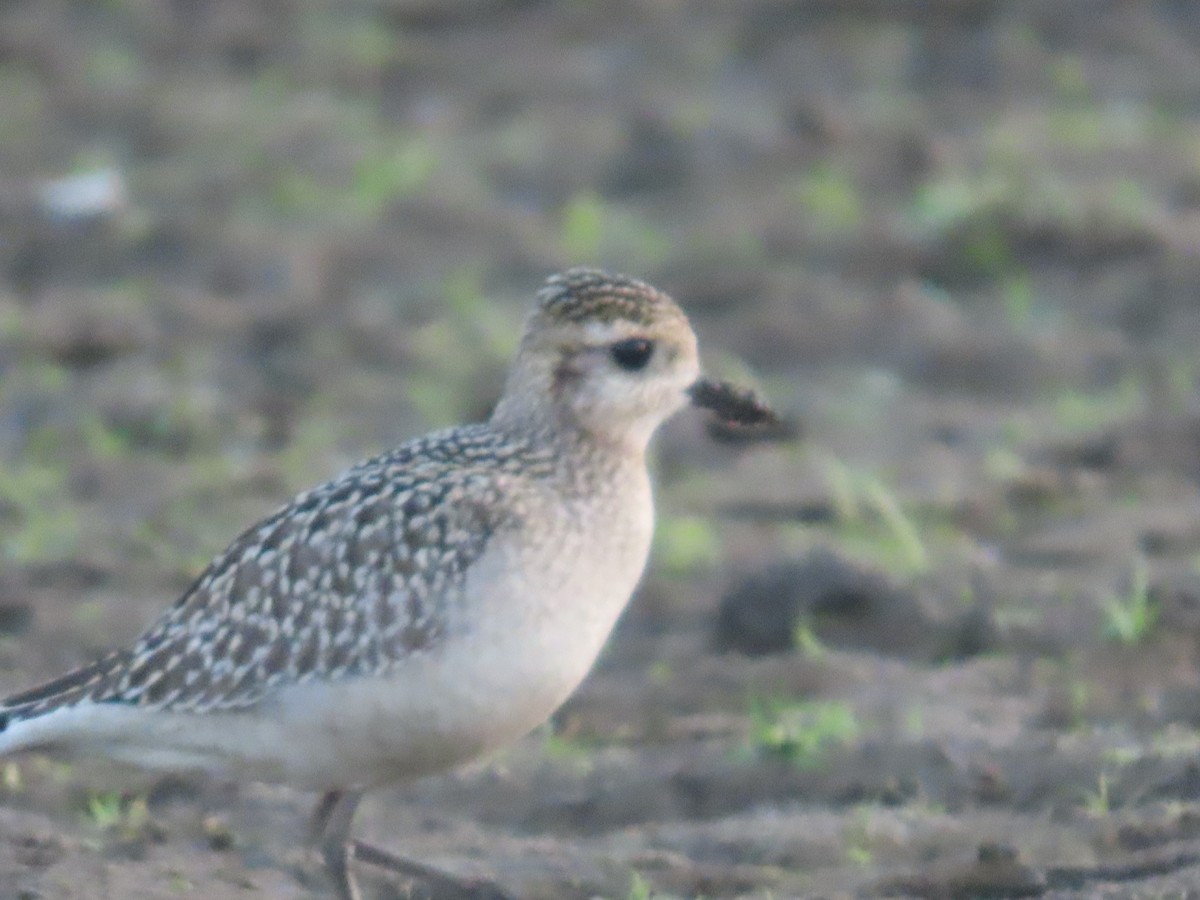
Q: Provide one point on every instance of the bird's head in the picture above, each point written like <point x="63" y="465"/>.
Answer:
<point x="604" y="354"/>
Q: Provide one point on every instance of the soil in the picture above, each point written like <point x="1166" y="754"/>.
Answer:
<point x="938" y="637"/>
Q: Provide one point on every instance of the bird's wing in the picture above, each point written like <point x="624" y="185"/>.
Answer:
<point x="347" y="579"/>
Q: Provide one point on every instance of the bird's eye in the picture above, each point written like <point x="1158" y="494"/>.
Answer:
<point x="632" y="354"/>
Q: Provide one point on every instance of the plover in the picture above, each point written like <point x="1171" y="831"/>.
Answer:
<point x="425" y="607"/>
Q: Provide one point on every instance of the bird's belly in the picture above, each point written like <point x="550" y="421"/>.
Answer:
<point x="483" y="688"/>
<point x="429" y="715"/>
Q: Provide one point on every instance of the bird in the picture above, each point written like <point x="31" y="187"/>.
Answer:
<point x="426" y="607"/>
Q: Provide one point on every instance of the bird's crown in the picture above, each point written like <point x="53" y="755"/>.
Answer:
<point x="583" y="295"/>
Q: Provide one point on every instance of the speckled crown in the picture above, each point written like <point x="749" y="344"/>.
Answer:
<point x="590" y="295"/>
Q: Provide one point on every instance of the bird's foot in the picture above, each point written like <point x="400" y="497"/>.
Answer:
<point x="437" y="885"/>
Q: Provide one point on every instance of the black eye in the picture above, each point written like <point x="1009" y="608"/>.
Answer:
<point x="632" y="354"/>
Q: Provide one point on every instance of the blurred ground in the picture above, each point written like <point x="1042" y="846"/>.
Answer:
<point x="949" y="645"/>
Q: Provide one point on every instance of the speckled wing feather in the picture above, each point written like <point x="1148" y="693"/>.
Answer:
<point x="347" y="579"/>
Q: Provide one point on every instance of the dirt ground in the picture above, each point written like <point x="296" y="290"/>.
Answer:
<point x="947" y="644"/>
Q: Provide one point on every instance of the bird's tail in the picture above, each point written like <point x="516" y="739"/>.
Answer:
<point x="20" y="712"/>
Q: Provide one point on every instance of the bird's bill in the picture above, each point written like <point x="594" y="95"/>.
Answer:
<point x="732" y="404"/>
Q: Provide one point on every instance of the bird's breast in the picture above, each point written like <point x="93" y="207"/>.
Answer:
<point x="535" y="611"/>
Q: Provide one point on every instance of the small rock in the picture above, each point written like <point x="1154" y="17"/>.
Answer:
<point x="217" y="834"/>
<point x="85" y="196"/>
<point x="997" y="871"/>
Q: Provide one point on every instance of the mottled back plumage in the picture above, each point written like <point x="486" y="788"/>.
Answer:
<point x="345" y="580"/>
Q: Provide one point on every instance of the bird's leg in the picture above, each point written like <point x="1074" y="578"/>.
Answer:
<point x="331" y="833"/>
<point x="331" y="823"/>
<point x="320" y="817"/>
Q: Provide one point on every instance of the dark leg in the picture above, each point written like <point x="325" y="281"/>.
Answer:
<point x="331" y="831"/>
<point x="320" y="816"/>
<point x="331" y="823"/>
